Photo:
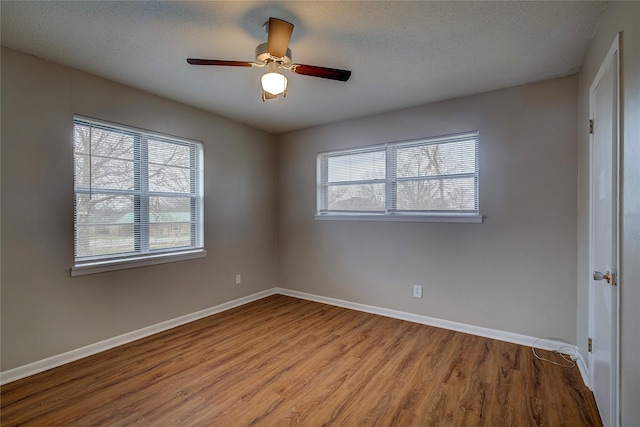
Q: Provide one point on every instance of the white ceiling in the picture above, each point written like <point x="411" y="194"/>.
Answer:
<point x="401" y="53"/>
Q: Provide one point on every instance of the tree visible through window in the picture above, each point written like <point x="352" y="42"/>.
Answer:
<point x="435" y="175"/>
<point x="136" y="193"/>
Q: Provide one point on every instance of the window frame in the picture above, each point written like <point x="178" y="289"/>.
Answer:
<point x="391" y="211"/>
<point x="141" y="193"/>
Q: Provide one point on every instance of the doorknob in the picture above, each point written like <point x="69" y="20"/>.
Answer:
<point x="599" y="276"/>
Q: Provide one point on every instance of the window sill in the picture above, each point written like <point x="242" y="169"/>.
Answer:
<point x="460" y="218"/>
<point x="142" y="261"/>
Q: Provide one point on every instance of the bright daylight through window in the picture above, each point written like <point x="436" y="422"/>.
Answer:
<point x="138" y="196"/>
<point x="427" y="179"/>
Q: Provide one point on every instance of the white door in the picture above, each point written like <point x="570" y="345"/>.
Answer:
<point x="603" y="239"/>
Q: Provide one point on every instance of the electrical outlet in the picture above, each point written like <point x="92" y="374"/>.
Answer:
<point x="238" y="279"/>
<point x="417" y="291"/>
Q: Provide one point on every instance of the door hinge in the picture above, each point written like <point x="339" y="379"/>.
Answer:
<point x="590" y="126"/>
<point x="590" y="345"/>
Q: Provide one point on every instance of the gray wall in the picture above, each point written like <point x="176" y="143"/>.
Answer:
<point x="45" y="311"/>
<point x="515" y="272"/>
<point x="625" y="17"/>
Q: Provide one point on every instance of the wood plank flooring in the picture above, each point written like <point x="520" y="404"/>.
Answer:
<point x="282" y="361"/>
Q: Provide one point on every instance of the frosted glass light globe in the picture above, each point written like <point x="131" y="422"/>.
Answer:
<point x="274" y="83"/>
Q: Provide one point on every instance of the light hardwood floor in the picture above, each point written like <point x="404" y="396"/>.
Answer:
<point x="283" y="361"/>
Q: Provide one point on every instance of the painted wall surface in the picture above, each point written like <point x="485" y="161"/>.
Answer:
<point x="515" y="272"/>
<point x="624" y="17"/>
<point x="45" y="311"/>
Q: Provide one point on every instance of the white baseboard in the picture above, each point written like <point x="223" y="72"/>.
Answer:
<point x="70" y="356"/>
<point x="582" y="366"/>
<point x="510" y="337"/>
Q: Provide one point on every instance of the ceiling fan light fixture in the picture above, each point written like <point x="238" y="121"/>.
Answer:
<point x="273" y="82"/>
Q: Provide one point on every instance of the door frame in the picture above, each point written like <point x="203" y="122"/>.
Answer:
<point x="615" y="356"/>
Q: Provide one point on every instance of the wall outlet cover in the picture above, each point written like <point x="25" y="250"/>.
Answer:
<point x="417" y="291"/>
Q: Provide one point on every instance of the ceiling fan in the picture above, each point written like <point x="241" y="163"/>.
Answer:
<point x="275" y="56"/>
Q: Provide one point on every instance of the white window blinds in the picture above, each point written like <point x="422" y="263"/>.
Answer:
<point x="137" y="194"/>
<point x="355" y="181"/>
<point x="429" y="176"/>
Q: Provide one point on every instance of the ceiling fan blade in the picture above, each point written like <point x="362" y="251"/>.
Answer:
<point x="195" y="61"/>
<point x="322" y="72"/>
<point x="279" y="36"/>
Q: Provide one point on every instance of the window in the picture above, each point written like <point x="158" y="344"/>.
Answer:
<point x="138" y="197"/>
<point x="428" y="179"/>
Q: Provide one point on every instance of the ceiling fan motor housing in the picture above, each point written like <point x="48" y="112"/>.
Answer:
<point x="263" y="55"/>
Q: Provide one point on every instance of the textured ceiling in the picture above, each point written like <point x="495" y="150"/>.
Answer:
<point x="401" y="53"/>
